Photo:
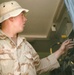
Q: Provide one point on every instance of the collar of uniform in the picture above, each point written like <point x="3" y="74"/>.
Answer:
<point x="20" y="39"/>
<point x="2" y="35"/>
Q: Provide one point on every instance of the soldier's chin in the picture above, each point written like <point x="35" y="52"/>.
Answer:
<point x="21" y="30"/>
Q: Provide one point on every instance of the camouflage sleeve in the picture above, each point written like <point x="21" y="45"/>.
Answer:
<point x="48" y="64"/>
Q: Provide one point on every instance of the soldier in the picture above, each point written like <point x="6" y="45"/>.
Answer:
<point x="17" y="56"/>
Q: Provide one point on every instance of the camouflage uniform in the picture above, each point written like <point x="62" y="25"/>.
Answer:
<point x="22" y="59"/>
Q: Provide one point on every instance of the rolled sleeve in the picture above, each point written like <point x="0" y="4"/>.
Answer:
<point x="48" y="64"/>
